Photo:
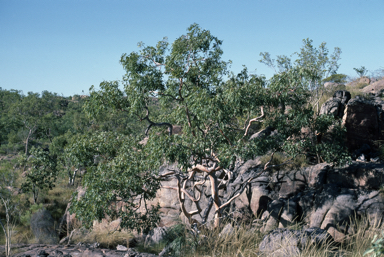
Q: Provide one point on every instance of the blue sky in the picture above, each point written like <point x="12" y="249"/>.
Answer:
<point x="65" y="46"/>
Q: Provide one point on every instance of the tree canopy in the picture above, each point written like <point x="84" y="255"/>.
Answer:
<point x="186" y="84"/>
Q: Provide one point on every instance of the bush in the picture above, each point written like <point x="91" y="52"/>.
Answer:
<point x="336" y="78"/>
<point x="25" y="219"/>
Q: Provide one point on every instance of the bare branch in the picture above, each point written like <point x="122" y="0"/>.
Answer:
<point x="254" y="120"/>
<point x="243" y="186"/>
<point x="151" y="123"/>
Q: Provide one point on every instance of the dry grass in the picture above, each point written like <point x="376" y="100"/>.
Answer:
<point x="244" y="241"/>
<point x="103" y="234"/>
<point x="278" y="158"/>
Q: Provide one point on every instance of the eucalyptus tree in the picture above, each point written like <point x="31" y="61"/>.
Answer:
<point x="318" y="61"/>
<point x="191" y="87"/>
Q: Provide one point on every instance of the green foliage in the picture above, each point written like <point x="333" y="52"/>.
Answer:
<point x="25" y="218"/>
<point x="316" y="60"/>
<point x="190" y="86"/>
<point x="336" y="78"/>
<point x="179" y="239"/>
<point x="361" y="71"/>
<point x="377" y="247"/>
<point x="118" y="181"/>
<point x="41" y="173"/>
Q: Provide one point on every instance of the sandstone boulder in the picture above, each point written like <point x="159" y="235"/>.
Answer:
<point x="287" y="242"/>
<point x="375" y="88"/>
<point x="363" y="119"/>
<point x="336" y="104"/>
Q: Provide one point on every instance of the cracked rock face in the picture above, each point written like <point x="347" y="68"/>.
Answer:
<point x="319" y="196"/>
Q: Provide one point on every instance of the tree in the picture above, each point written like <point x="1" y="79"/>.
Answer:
<point x="7" y="124"/>
<point x="8" y="178"/>
<point x="361" y="71"/>
<point x="215" y="109"/>
<point x="316" y="60"/>
<point x="41" y="173"/>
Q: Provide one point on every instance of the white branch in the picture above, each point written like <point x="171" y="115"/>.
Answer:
<point x="254" y="120"/>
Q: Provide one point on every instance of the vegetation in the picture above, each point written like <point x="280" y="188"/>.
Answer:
<point x="361" y="71"/>
<point x="336" y="78"/>
<point x="114" y="141"/>
<point x="195" y="90"/>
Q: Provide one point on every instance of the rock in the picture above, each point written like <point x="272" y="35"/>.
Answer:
<point x="376" y="87"/>
<point x="330" y="84"/>
<point x="75" y="251"/>
<point x="260" y="198"/>
<point x="92" y="253"/>
<point x="42" y="253"/>
<point x="361" y="158"/>
<point x="286" y="242"/>
<point x="363" y="119"/>
<point x="292" y="184"/>
<point x="155" y="236"/>
<point x="121" y="248"/>
<point x="336" y="104"/>
<point x="227" y="230"/>
<point x="316" y="175"/>
<point x="43" y="227"/>
<point x="249" y="165"/>
<point x="359" y="81"/>
<point x="57" y="253"/>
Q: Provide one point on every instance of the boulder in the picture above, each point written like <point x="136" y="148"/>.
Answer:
<point x="286" y="242"/>
<point x="376" y="88"/>
<point x="43" y="227"/>
<point x="359" y="81"/>
<point x="363" y="119"/>
<point x="155" y="236"/>
<point x="331" y="84"/>
<point x="227" y="231"/>
<point x="336" y="104"/>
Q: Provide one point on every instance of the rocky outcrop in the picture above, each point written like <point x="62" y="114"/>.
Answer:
<point x="363" y="119"/>
<point x="360" y="81"/>
<point x="318" y="196"/>
<point x="290" y="243"/>
<point x="336" y="104"/>
<point x="375" y="88"/>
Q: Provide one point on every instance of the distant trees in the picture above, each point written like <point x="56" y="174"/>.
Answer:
<point x="317" y="61"/>
<point x="336" y="78"/>
<point x="362" y="71"/>
<point x="189" y="85"/>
